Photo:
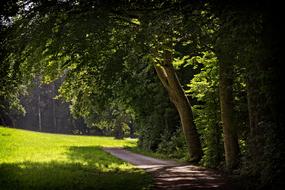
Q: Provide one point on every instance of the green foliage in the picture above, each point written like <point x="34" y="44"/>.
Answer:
<point x="104" y="50"/>
<point x="204" y="88"/>
<point x="105" y="126"/>
<point x="155" y="114"/>
<point x="173" y="145"/>
<point x="11" y="83"/>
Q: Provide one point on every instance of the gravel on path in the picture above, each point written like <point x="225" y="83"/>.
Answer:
<point x="169" y="174"/>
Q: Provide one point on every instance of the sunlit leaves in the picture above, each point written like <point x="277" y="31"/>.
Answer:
<point x="177" y="62"/>
<point x="204" y="84"/>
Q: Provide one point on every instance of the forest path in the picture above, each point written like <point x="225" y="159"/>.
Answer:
<point x="172" y="175"/>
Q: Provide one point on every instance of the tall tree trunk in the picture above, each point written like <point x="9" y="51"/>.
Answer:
<point x="170" y="81"/>
<point x="39" y="111"/>
<point x="226" y="101"/>
<point x="54" y="108"/>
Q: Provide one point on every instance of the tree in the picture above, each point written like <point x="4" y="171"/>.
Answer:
<point x="163" y="33"/>
<point x="11" y="84"/>
<point x="204" y="87"/>
<point x="225" y="47"/>
<point x="178" y="97"/>
<point x="122" y="51"/>
<point x="109" y="34"/>
<point x="226" y="100"/>
<point x="253" y="39"/>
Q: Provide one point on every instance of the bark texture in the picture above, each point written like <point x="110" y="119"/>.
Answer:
<point x="170" y="81"/>
<point x="229" y="129"/>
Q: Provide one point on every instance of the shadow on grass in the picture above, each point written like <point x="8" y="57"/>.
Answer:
<point x="5" y="134"/>
<point x="86" y="168"/>
<point x="92" y="156"/>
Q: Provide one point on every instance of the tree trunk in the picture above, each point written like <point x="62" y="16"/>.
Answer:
<point x="170" y="81"/>
<point x="39" y="109"/>
<point x="54" y="108"/>
<point x="226" y="100"/>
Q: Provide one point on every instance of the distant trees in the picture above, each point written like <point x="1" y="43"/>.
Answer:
<point x="211" y="68"/>
<point x="43" y="111"/>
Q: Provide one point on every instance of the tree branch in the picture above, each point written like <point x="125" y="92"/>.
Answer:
<point x="162" y="76"/>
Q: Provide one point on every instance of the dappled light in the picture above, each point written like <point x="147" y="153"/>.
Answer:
<point x="93" y="156"/>
<point x="69" y="164"/>
<point x="68" y="175"/>
<point x="188" y="94"/>
<point x="169" y="174"/>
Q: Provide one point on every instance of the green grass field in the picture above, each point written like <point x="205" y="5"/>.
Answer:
<point x="32" y="160"/>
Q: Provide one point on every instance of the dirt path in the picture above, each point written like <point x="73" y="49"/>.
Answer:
<point x="171" y="175"/>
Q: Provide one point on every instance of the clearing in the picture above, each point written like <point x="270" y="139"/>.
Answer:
<point x="33" y="160"/>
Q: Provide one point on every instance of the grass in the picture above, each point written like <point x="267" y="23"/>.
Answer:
<point x="138" y="150"/>
<point x="149" y="153"/>
<point x="33" y="160"/>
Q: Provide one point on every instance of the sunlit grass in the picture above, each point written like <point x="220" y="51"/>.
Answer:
<point x="32" y="160"/>
<point x="20" y="145"/>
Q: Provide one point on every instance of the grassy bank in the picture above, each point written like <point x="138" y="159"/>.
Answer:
<point x="32" y="160"/>
<point x="149" y="153"/>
